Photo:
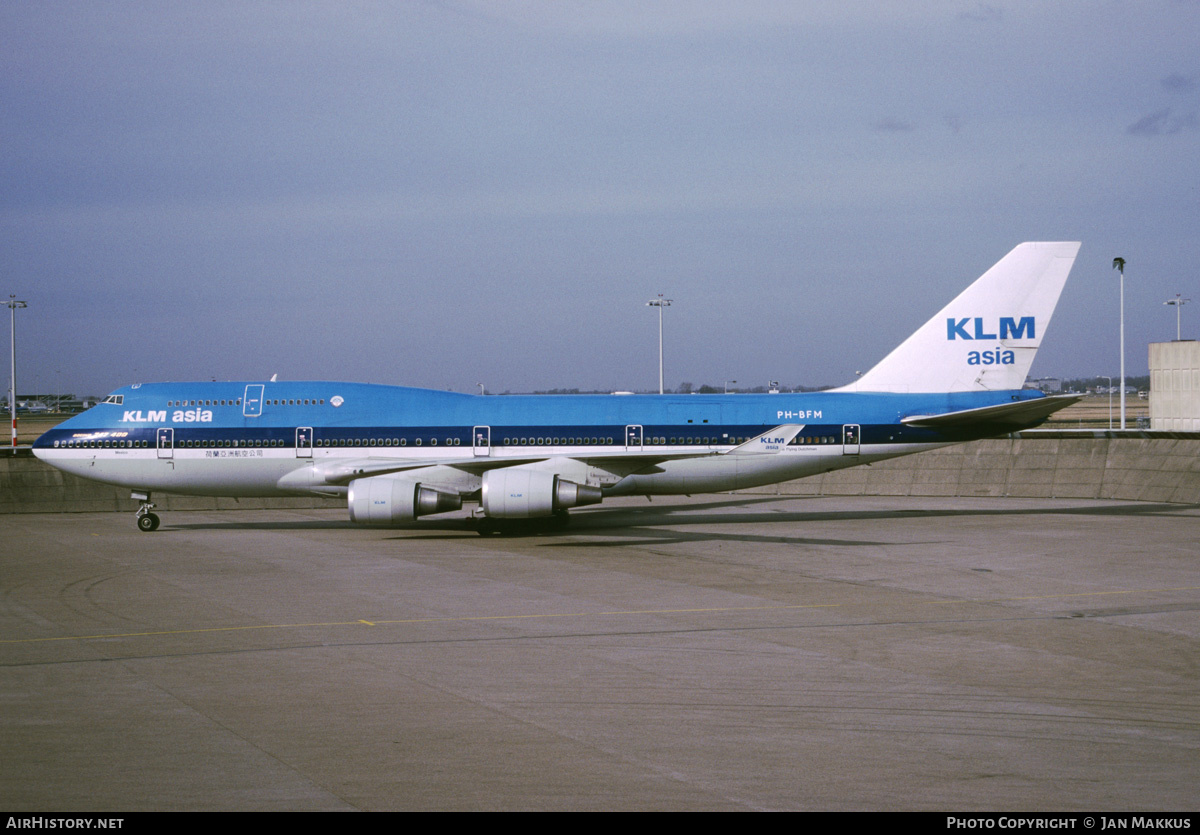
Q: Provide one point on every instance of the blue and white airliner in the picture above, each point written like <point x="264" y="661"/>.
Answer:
<point x="399" y="453"/>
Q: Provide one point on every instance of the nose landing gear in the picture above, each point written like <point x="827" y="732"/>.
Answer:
<point x="147" y="520"/>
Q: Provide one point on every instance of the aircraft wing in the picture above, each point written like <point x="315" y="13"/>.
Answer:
<point x="343" y="472"/>
<point x="1007" y="416"/>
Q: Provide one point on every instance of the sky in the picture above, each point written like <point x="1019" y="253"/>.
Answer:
<point x="449" y="193"/>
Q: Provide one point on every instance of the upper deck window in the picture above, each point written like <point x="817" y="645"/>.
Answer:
<point x="115" y="399"/>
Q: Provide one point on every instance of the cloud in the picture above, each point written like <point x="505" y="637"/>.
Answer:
<point x="894" y="126"/>
<point x="1177" y="83"/>
<point x="1163" y="122"/>
<point x="983" y="12"/>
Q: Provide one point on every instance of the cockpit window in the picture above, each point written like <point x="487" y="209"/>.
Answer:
<point x="115" y="399"/>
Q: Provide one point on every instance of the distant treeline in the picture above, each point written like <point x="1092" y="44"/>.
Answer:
<point x="1081" y="384"/>
<point x="691" y="388"/>
<point x="1084" y="383"/>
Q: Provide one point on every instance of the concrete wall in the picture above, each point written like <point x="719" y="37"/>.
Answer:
<point x="1153" y="467"/>
<point x="1050" y="465"/>
<point x="29" y="486"/>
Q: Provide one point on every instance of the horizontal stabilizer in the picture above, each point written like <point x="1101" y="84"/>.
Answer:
<point x="1012" y="416"/>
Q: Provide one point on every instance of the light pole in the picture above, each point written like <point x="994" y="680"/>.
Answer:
<point x="727" y="382"/>
<point x="1179" y="303"/>
<point x="660" y="303"/>
<point x="13" y="304"/>
<point x="1119" y="266"/>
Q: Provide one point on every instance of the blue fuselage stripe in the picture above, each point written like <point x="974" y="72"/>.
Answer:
<point x="200" y="413"/>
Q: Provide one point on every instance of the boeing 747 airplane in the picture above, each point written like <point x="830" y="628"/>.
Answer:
<point x="399" y="453"/>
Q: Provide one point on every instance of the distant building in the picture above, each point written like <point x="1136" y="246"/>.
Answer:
<point x="1175" y="386"/>
<point x="1047" y="384"/>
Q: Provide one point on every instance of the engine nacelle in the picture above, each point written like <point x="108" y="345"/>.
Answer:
<point x="524" y="494"/>
<point x="386" y="500"/>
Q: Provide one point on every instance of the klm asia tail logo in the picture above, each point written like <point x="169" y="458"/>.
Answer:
<point x="1009" y="328"/>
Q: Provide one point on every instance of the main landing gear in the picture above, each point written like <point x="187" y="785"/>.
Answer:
<point x="147" y="520"/>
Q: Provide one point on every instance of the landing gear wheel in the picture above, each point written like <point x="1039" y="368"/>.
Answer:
<point x="147" y="523"/>
<point x="146" y="520"/>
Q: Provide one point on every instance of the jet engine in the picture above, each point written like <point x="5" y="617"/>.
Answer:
<point x="386" y="500"/>
<point x="524" y="494"/>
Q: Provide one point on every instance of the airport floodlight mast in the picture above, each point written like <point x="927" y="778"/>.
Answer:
<point x="1179" y="303"/>
<point x="1119" y="266"/>
<point x="13" y="304"/>
<point x="660" y="303"/>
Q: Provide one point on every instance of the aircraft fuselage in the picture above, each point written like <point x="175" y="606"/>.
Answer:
<point x="252" y="439"/>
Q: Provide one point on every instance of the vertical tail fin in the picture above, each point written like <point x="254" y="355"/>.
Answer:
<point x="986" y="339"/>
